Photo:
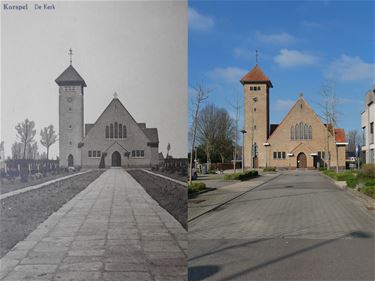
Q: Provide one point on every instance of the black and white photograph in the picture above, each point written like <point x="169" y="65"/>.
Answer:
<point x="94" y="120"/>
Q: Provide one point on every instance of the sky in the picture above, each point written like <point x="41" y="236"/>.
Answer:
<point x="137" y="49"/>
<point x="301" y="44"/>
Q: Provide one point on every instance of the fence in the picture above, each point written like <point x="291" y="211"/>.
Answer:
<point x="26" y="167"/>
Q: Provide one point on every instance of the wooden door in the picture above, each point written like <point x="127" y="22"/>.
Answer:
<point x="301" y="160"/>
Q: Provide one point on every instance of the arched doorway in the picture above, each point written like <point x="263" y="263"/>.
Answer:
<point x="116" y="159"/>
<point x="70" y="161"/>
<point x="301" y="160"/>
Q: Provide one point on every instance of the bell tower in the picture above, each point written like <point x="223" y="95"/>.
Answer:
<point x="256" y="87"/>
<point x="71" y="123"/>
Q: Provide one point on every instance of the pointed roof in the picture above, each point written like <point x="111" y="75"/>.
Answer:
<point x="256" y="75"/>
<point x="70" y="76"/>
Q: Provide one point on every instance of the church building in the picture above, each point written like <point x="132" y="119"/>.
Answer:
<point x="301" y="140"/>
<point x="115" y="139"/>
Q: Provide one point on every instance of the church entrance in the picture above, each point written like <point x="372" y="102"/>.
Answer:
<point x="116" y="159"/>
<point x="301" y="160"/>
<point x="70" y="161"/>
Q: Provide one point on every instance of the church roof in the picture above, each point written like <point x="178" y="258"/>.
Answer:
<point x="152" y="134"/>
<point x="256" y="75"/>
<point x="70" y="76"/>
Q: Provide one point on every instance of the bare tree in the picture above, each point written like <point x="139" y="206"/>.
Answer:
<point x="330" y="118"/>
<point x="237" y="107"/>
<point x="48" y="137"/>
<point x="32" y="151"/>
<point x="17" y="150"/>
<point x="201" y="94"/>
<point x="354" y="139"/>
<point x="26" y="133"/>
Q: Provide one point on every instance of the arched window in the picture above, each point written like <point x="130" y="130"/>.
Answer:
<point x="120" y="131"/>
<point x="124" y="132"/>
<point x="297" y="132"/>
<point x="301" y="130"/>
<point x="116" y="130"/>
<point x="111" y="131"/>
<point x="306" y="132"/>
<point x="106" y="132"/>
<point x="310" y="132"/>
<point x="292" y="133"/>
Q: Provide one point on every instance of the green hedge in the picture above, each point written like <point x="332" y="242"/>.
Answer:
<point x="369" y="191"/>
<point x="196" y="186"/>
<point x="352" y="182"/>
<point x="241" y="176"/>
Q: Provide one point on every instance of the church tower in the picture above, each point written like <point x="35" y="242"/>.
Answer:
<point x="256" y="87"/>
<point x="71" y="124"/>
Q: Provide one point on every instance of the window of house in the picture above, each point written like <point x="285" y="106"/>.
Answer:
<point x="111" y="131"/>
<point x="274" y="155"/>
<point x="138" y="153"/>
<point x="279" y="155"/>
<point x="283" y="155"/>
<point x="363" y="135"/>
<point x="251" y="88"/>
<point x="292" y="133"/>
<point x="142" y="153"/>
<point x="124" y="132"/>
<point x="133" y="153"/>
<point x="372" y="132"/>
<point x="94" y="153"/>
<point x="258" y="88"/>
<point x="70" y="109"/>
<point x="90" y="153"/>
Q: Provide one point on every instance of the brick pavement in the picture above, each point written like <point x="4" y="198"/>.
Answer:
<point x="112" y="230"/>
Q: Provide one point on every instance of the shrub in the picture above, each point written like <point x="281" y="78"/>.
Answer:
<point x="344" y="176"/>
<point x="367" y="171"/>
<point x="241" y="176"/>
<point x="370" y="182"/>
<point x="369" y="190"/>
<point x="322" y="168"/>
<point x="269" y="169"/>
<point x="196" y="186"/>
<point x="352" y="182"/>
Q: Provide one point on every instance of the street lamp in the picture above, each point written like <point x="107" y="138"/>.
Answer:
<point x="266" y="144"/>
<point x="255" y="99"/>
<point x="243" y="143"/>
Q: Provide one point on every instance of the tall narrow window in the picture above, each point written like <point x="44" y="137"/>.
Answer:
<point x="310" y="132"/>
<point x="111" y="131"/>
<point x="106" y="132"/>
<point x="116" y="130"/>
<point x="292" y="133"/>
<point x="297" y="132"/>
<point x="306" y="132"/>
<point x="124" y="132"/>
<point x="301" y="130"/>
<point x="120" y="131"/>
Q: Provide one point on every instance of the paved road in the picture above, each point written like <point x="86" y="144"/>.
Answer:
<point x="299" y="226"/>
<point x="112" y="230"/>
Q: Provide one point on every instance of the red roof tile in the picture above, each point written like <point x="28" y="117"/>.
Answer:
<point x="340" y="135"/>
<point x="256" y="75"/>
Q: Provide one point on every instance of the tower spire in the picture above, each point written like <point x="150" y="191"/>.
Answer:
<point x="70" y="55"/>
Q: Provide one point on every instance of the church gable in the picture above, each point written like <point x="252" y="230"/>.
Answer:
<point x="116" y="114"/>
<point x="301" y="123"/>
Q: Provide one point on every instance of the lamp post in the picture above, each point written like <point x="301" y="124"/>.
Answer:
<point x="243" y="143"/>
<point x="255" y="99"/>
<point x="195" y="160"/>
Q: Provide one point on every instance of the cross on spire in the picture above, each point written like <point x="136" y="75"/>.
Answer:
<point x="70" y="55"/>
<point x="256" y="56"/>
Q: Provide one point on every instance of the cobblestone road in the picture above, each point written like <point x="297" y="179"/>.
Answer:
<point x="298" y="226"/>
<point x="112" y="230"/>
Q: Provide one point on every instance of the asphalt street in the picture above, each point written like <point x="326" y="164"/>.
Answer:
<point x="298" y="226"/>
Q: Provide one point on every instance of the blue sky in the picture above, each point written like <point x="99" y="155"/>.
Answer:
<point x="300" y="43"/>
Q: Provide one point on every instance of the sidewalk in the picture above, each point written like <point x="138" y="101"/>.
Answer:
<point x="208" y="201"/>
<point x="112" y="230"/>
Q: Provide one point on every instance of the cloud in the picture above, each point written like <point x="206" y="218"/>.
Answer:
<point x="347" y="68"/>
<point x="200" y="22"/>
<point x="282" y="38"/>
<point x="291" y="58"/>
<point x="311" y="24"/>
<point x="284" y="105"/>
<point x="227" y="74"/>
